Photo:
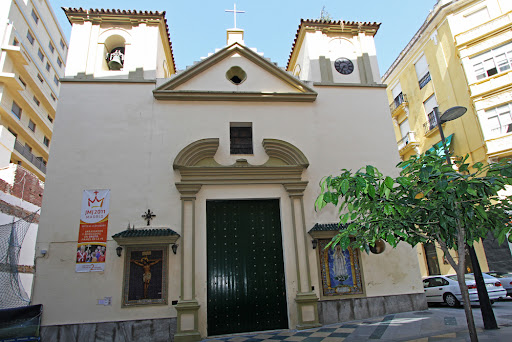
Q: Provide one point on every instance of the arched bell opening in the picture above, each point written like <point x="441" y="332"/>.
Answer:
<point x="114" y="53"/>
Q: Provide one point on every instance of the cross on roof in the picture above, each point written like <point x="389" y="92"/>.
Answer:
<point x="148" y="216"/>
<point x="234" y="12"/>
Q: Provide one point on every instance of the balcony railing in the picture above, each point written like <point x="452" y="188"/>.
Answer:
<point x="431" y="122"/>
<point x="25" y="152"/>
<point x="409" y="138"/>
<point x="424" y="80"/>
<point x="401" y="98"/>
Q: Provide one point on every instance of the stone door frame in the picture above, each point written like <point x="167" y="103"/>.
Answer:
<point x="197" y="167"/>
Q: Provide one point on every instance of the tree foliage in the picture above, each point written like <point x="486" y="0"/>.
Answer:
<point x="430" y="201"/>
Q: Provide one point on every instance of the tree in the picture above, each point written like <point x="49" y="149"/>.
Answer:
<point x="430" y="201"/>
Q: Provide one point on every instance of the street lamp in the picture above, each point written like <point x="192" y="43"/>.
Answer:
<point x="483" y="298"/>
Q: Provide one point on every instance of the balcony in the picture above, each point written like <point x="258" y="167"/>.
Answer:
<point x="430" y="125"/>
<point x="486" y="28"/>
<point x="25" y="152"/>
<point x="407" y="143"/>
<point x="398" y="105"/>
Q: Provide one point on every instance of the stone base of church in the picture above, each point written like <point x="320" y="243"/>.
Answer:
<point x="349" y="309"/>
<point x="141" y="330"/>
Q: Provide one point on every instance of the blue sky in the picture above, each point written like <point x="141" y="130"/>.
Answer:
<point x="199" y="27"/>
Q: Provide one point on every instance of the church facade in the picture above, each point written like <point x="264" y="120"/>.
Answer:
<point x="197" y="187"/>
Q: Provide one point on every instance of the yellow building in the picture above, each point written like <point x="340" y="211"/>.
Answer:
<point x="461" y="56"/>
<point x="32" y="61"/>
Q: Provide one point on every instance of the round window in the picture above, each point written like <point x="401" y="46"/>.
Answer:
<point x="236" y="75"/>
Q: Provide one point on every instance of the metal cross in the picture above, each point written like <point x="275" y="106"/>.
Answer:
<point x="234" y="12"/>
<point x="148" y="216"/>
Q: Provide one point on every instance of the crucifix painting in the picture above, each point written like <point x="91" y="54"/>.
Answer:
<point x="145" y="277"/>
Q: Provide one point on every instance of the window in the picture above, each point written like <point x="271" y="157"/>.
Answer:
<point x="22" y="82"/>
<point x="28" y="148"/>
<point x="47" y="66"/>
<point x="51" y="47"/>
<point x="30" y="38"/>
<point x="241" y="139"/>
<point x="35" y="17"/>
<point x="46" y="141"/>
<point x="36" y="101"/>
<point x="431" y="257"/>
<point x="59" y="62"/>
<point x="492" y="62"/>
<point x="40" y="55"/>
<point x="429" y="105"/>
<point x="422" y="71"/>
<point x="404" y="133"/>
<point x="404" y="128"/>
<point x="56" y="80"/>
<point x="499" y="120"/>
<point x="62" y="45"/>
<point x="40" y="78"/>
<point x="15" y="42"/>
<point x="32" y="125"/>
<point x="50" y="119"/>
<point x="53" y="97"/>
<point x="16" y="110"/>
<point x="398" y="97"/>
<point x="41" y="160"/>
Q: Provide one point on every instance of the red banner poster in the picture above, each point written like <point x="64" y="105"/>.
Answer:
<point x="92" y="235"/>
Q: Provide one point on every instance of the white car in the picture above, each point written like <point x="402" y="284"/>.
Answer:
<point x="504" y="278"/>
<point x="445" y="289"/>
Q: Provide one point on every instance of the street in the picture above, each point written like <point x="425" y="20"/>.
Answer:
<point x="438" y="323"/>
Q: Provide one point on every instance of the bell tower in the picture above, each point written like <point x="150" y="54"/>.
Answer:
<point x="115" y="44"/>
<point x="335" y="52"/>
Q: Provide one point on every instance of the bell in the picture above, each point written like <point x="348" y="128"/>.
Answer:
<point x="115" y="59"/>
<point x="115" y="63"/>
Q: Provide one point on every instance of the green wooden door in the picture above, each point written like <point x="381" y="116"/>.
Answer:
<point x="246" y="285"/>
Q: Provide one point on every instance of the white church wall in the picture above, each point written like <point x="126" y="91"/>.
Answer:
<point x="257" y="78"/>
<point x="128" y="142"/>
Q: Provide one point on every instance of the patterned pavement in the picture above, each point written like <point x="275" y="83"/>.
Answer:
<point x="419" y="326"/>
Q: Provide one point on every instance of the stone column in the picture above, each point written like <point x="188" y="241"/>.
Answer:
<point x="306" y="299"/>
<point x="187" y="307"/>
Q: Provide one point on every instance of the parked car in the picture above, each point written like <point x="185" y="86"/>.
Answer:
<point x="445" y="289"/>
<point x="504" y="278"/>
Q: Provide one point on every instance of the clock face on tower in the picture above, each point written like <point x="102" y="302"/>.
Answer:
<point x="344" y="66"/>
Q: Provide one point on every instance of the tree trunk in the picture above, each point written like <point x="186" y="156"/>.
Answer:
<point x="467" y="307"/>
<point x="459" y="270"/>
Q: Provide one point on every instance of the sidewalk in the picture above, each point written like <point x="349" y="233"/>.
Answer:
<point x="435" y="324"/>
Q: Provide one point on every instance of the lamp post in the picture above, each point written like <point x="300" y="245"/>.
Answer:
<point x="483" y="298"/>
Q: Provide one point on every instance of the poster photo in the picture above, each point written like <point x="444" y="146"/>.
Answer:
<point x="340" y="270"/>
<point x="92" y="234"/>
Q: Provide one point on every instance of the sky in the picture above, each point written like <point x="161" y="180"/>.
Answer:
<point x="198" y="27"/>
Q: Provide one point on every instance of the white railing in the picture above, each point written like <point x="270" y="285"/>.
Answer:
<point x="409" y="138"/>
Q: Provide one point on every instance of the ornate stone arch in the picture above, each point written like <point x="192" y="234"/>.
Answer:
<point x="197" y="167"/>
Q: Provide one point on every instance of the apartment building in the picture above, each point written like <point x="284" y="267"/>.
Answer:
<point x="460" y="56"/>
<point x="32" y="61"/>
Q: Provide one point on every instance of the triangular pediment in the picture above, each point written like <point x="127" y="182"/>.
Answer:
<point x="256" y="79"/>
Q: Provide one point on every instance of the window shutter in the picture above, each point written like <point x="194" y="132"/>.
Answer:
<point x="421" y="67"/>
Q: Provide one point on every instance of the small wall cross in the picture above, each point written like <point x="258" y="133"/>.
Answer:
<point x="148" y="216"/>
